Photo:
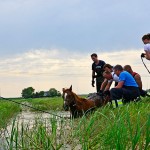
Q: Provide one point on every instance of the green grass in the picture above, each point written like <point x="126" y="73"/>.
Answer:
<point x="7" y="111"/>
<point x="123" y="128"/>
<point x="55" y="103"/>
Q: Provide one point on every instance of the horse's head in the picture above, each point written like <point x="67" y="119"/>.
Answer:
<point x="67" y="97"/>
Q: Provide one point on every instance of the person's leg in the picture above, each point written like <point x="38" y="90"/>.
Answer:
<point x="130" y="93"/>
<point x="98" y="86"/>
<point x="143" y="93"/>
<point x="116" y="93"/>
<point x="127" y="93"/>
<point x="116" y="96"/>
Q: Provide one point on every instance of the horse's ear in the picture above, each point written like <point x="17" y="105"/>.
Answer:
<point x="63" y="89"/>
<point x="70" y="88"/>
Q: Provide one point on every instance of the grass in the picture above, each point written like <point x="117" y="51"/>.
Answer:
<point x="7" y="111"/>
<point x="123" y="128"/>
<point x="55" y="103"/>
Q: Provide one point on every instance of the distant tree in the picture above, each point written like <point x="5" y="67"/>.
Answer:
<point x="53" y="92"/>
<point x="38" y="94"/>
<point x="28" y="92"/>
<point x="58" y="93"/>
<point x="41" y="94"/>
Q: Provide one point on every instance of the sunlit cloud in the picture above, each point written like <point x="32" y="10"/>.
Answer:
<point x="44" y="68"/>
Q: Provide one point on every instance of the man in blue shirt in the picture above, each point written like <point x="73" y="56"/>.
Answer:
<point x="127" y="87"/>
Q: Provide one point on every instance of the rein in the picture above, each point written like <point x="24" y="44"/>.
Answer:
<point x="6" y="99"/>
<point x="145" y="65"/>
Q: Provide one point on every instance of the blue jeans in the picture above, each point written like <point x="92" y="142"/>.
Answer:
<point x="128" y="93"/>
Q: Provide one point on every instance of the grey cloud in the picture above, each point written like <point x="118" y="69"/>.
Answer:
<point x="78" y="25"/>
<point x="45" y="68"/>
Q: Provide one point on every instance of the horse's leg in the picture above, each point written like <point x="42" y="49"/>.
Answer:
<point x="107" y="100"/>
<point x="74" y="113"/>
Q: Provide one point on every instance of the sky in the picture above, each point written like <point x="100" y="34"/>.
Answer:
<point x="47" y="43"/>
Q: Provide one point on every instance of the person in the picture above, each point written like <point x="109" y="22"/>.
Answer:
<point x="146" y="41"/>
<point x="109" y="76"/>
<point x="137" y="78"/>
<point x="108" y="67"/>
<point x="97" y="71"/>
<point x="127" y="88"/>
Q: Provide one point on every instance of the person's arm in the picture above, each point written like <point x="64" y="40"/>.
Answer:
<point x="138" y="80"/>
<point x="120" y="84"/>
<point x="108" y="86"/>
<point x="147" y="56"/>
<point x="93" y="76"/>
<point x="104" y="84"/>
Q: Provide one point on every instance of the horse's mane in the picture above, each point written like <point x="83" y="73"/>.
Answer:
<point x="80" y="98"/>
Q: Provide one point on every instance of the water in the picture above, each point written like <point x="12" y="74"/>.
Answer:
<point x="28" y="118"/>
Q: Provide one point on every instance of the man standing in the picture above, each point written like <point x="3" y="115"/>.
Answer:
<point x="97" y="71"/>
<point x="146" y="41"/>
<point x="127" y="87"/>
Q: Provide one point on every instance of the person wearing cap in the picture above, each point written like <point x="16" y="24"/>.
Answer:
<point x="97" y="71"/>
<point x="146" y="41"/>
<point x="127" y="88"/>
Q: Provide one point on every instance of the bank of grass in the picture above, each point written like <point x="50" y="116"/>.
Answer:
<point x="123" y="128"/>
<point x="55" y="103"/>
<point x="7" y="111"/>
<point x="50" y="103"/>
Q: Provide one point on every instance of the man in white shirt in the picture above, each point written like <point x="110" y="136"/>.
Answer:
<point x="109" y="76"/>
<point x="146" y="41"/>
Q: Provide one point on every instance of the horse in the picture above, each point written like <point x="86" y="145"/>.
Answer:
<point x="78" y="105"/>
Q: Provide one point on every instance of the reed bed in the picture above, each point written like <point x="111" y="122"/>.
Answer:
<point x="123" y="128"/>
<point x="7" y="111"/>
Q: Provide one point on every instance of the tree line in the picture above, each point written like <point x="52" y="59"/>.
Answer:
<point x="29" y="92"/>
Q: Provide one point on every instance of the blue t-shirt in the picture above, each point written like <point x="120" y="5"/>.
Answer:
<point x="128" y="79"/>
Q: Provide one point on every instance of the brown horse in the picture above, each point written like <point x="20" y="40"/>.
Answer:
<point x="77" y="105"/>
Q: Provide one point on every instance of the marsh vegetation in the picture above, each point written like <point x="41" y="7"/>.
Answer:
<point x="127" y="127"/>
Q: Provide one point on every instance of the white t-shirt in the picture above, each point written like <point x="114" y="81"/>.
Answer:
<point x="147" y="47"/>
<point x="115" y="77"/>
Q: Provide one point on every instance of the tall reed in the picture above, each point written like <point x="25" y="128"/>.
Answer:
<point x="123" y="128"/>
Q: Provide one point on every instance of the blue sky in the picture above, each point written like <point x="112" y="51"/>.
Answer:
<point x="72" y="24"/>
<point x="67" y="31"/>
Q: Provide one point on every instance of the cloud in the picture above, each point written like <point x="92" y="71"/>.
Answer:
<point x="80" y="25"/>
<point x="47" y="68"/>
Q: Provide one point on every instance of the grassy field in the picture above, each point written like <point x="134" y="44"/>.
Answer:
<point x="55" y="103"/>
<point x="7" y="111"/>
<point x="123" y="128"/>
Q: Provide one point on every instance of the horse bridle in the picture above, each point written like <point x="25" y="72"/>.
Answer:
<point x="63" y="96"/>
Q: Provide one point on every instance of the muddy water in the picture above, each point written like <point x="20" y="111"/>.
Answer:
<point x="28" y="117"/>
